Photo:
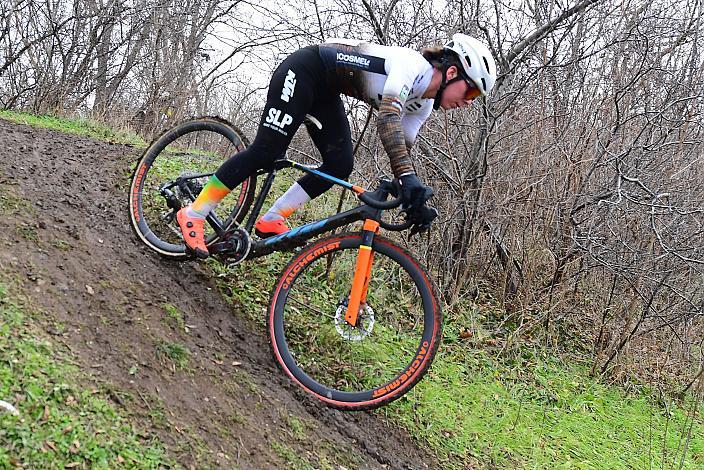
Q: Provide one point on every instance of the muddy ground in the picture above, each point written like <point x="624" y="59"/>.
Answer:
<point x="66" y="240"/>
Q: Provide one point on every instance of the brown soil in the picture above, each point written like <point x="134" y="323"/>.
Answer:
<point x="66" y="238"/>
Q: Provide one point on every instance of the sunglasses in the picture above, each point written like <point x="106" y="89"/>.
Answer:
<point x="472" y="91"/>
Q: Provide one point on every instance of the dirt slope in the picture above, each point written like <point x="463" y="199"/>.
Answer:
<point x="65" y="236"/>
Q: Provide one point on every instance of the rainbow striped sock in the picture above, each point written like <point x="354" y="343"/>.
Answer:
<point x="213" y="192"/>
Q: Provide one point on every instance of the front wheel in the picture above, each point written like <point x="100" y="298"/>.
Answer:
<point x="389" y="350"/>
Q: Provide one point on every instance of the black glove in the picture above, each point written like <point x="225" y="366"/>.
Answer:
<point x="414" y="196"/>
<point x="412" y="192"/>
<point x="422" y="219"/>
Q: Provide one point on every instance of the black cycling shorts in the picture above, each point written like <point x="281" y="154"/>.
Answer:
<point x="297" y="87"/>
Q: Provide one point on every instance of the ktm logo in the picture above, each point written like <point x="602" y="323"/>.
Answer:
<point x="289" y="86"/>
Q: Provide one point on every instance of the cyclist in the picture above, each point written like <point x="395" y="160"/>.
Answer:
<point x="403" y="84"/>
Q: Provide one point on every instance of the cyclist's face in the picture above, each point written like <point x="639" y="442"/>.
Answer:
<point x="458" y="95"/>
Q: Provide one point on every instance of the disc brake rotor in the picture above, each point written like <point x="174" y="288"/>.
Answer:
<point x="365" y="322"/>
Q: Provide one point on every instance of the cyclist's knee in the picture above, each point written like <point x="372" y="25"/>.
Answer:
<point x="338" y="164"/>
<point x="344" y="169"/>
<point x="266" y="150"/>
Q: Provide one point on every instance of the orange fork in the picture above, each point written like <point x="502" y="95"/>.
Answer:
<point x="362" y="272"/>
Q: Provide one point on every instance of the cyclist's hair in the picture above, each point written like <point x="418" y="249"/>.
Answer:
<point x="438" y="57"/>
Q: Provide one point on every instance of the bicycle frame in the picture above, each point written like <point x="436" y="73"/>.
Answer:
<point x="300" y="235"/>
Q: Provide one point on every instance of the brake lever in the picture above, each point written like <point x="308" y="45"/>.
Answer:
<point x="424" y="227"/>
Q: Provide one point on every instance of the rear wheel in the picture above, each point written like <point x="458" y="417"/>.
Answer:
<point x="373" y="363"/>
<point x="171" y="173"/>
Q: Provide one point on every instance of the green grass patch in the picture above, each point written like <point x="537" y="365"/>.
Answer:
<point x="291" y="457"/>
<point x="62" y="245"/>
<point x="60" y="424"/>
<point x="542" y="414"/>
<point x="28" y="232"/>
<point x="296" y="426"/>
<point x="176" y="353"/>
<point x="82" y="127"/>
<point x="174" y="317"/>
<point x="11" y="203"/>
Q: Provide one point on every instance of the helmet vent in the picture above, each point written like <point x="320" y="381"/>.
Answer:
<point x="469" y="61"/>
<point x="486" y="64"/>
<point x="484" y="84"/>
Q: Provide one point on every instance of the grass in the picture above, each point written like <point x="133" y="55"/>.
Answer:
<point x="60" y="424"/>
<point x="11" y="203"/>
<point x="28" y="232"/>
<point x="296" y="426"/>
<point x="81" y="127"/>
<point x="541" y="413"/>
<point x="291" y="457"/>
<point x="174" y="317"/>
<point x="176" y="353"/>
<point x="62" y="245"/>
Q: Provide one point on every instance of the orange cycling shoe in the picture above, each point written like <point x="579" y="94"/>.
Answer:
<point x="192" y="230"/>
<point x="269" y="228"/>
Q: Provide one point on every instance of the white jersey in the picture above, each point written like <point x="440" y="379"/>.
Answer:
<point x="370" y="71"/>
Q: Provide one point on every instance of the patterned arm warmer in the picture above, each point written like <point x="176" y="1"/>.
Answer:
<point x="392" y="138"/>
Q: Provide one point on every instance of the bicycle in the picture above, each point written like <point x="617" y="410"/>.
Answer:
<point x="354" y="319"/>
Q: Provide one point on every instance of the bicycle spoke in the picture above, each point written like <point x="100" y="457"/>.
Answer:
<point x="312" y="308"/>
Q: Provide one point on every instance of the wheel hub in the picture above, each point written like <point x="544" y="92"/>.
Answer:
<point x="365" y="322"/>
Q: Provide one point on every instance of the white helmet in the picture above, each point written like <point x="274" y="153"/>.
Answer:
<point x="476" y="60"/>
